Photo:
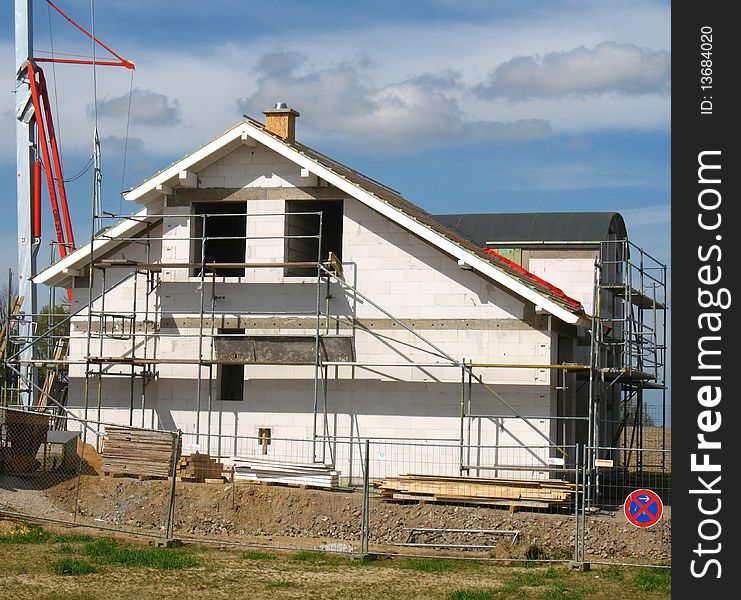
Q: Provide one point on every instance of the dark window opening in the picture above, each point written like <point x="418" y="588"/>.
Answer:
<point x="232" y="227"/>
<point x="231" y="377"/>
<point x="306" y="249"/>
<point x="232" y="383"/>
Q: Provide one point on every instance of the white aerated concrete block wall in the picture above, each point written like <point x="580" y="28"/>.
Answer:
<point x="424" y="415"/>
<point x="252" y="167"/>
<point x="575" y="276"/>
<point x="457" y="310"/>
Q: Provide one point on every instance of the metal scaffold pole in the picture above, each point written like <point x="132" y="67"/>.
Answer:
<point x="27" y="245"/>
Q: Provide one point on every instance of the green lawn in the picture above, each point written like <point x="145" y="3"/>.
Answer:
<point x="41" y="564"/>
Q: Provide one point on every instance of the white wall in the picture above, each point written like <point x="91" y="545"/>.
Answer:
<point x="457" y="310"/>
<point x="575" y="276"/>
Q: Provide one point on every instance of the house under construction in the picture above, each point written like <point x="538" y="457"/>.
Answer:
<point x="265" y="290"/>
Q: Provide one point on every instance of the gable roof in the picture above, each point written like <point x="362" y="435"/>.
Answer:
<point x="375" y="195"/>
<point x="521" y="228"/>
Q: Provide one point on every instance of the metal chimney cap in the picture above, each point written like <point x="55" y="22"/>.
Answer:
<point x="281" y="108"/>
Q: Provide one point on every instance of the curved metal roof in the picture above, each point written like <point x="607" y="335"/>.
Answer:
<point x="537" y="227"/>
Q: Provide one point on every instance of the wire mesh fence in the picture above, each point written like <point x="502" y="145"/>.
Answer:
<point x="73" y="471"/>
<point x="633" y="488"/>
<point x="493" y="502"/>
<point x="395" y="497"/>
<point x="267" y="491"/>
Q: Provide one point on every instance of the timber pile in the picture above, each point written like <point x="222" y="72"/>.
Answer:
<point x="305" y="475"/>
<point x="138" y="452"/>
<point x="199" y="468"/>
<point x="532" y="493"/>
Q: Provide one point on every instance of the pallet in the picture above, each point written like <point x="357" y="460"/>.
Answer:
<point x="138" y="452"/>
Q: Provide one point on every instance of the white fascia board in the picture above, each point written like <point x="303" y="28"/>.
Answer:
<point x="415" y="227"/>
<point x="64" y="268"/>
<point x="171" y="174"/>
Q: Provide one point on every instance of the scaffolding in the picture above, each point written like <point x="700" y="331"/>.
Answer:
<point x="626" y="350"/>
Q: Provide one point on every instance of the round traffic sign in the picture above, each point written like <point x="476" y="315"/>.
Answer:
<point x="643" y="508"/>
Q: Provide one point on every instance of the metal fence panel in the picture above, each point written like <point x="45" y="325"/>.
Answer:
<point x="399" y="497"/>
<point x="630" y="488"/>
<point x="276" y="493"/>
<point x="492" y="502"/>
<point x="52" y="468"/>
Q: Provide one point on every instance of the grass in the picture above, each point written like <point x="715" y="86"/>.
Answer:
<point x="324" y="559"/>
<point x="309" y="556"/>
<point x="470" y="595"/>
<point x="107" y="551"/>
<point x="71" y="538"/>
<point x="654" y="580"/>
<point x="258" y="555"/>
<point x="72" y="566"/>
<point x="430" y="565"/>
<point x="278" y="585"/>
<point x="143" y="571"/>
<point x="536" y="578"/>
<point x="32" y="534"/>
<point x="560" y="591"/>
<point x="614" y="573"/>
<point x="25" y="534"/>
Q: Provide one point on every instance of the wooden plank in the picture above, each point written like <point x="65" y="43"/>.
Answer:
<point x="502" y="492"/>
<point x="140" y="452"/>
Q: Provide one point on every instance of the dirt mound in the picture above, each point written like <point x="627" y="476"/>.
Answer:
<point x="275" y="514"/>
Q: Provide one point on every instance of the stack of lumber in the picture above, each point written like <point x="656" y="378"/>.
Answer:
<point x="199" y="468"/>
<point x="138" y="452"/>
<point x="535" y="493"/>
<point x="307" y="475"/>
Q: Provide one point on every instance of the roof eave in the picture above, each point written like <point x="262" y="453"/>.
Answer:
<point x="61" y="272"/>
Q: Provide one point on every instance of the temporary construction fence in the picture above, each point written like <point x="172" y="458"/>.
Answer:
<point x="638" y="498"/>
<point x="393" y="497"/>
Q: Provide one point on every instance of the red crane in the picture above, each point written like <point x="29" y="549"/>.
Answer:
<point x="47" y="141"/>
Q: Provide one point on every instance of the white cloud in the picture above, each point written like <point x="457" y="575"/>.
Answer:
<point x="399" y="77"/>
<point x="147" y="108"/>
<point x="422" y="110"/>
<point x="607" y="68"/>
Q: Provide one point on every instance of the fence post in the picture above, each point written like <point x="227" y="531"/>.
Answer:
<point x="576" y="505"/>
<point x="366" y="493"/>
<point x="585" y="466"/>
<point x="171" y="506"/>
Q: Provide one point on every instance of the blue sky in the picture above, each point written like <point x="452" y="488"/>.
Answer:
<point x="463" y="106"/>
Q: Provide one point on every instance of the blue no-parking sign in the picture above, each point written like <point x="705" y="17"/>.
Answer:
<point x="643" y="508"/>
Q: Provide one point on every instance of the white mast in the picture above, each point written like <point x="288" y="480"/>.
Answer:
<point x="27" y="246"/>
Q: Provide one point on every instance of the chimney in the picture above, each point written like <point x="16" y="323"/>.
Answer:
<point x="281" y="121"/>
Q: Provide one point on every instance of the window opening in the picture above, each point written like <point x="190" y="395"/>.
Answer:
<point x="306" y="249"/>
<point x="231" y="377"/>
<point x="225" y="227"/>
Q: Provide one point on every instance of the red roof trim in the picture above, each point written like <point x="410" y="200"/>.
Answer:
<point x="549" y="286"/>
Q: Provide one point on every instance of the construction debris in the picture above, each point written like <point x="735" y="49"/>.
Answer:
<point x="515" y="493"/>
<point x="308" y="475"/>
<point x="138" y="452"/>
<point x="200" y="468"/>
